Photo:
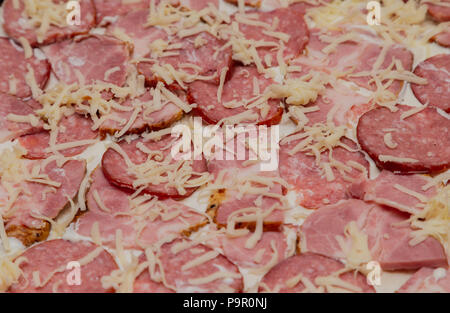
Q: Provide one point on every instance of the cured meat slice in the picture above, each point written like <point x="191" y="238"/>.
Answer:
<point x="238" y="101"/>
<point x="14" y="68"/>
<point x="388" y="235"/>
<point x="436" y="70"/>
<point x="11" y="129"/>
<point x="418" y="144"/>
<point x="288" y="21"/>
<point x="113" y="209"/>
<point x="308" y="273"/>
<point x="150" y="116"/>
<point x="95" y="57"/>
<point x="200" y="54"/>
<point x="402" y="192"/>
<point x="17" y="26"/>
<point x="358" y="54"/>
<point x="345" y="105"/>
<point x="272" y="248"/>
<point x="109" y="10"/>
<point x="72" y="129"/>
<point x="190" y="267"/>
<point x="249" y="193"/>
<point x="145" y="284"/>
<point x="198" y="5"/>
<point x="169" y="178"/>
<point x="314" y="186"/>
<point x="132" y="24"/>
<point x="50" y="260"/>
<point x="428" y="280"/>
<point x="26" y="220"/>
<point x="443" y="39"/>
<point x="439" y="13"/>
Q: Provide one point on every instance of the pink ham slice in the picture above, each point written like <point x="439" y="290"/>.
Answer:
<point x="233" y="167"/>
<point x="93" y="56"/>
<point x="138" y="230"/>
<point x="54" y="255"/>
<point x="72" y="129"/>
<point x="14" y="65"/>
<point x="16" y="26"/>
<point x="428" y="280"/>
<point x="109" y="10"/>
<point x="238" y="88"/>
<point x="423" y="138"/>
<point x="145" y="284"/>
<point x="310" y="266"/>
<point x="12" y="105"/>
<point x="290" y="22"/>
<point x="115" y="167"/>
<point x="198" y="5"/>
<point x="436" y="70"/>
<point x="346" y="104"/>
<point x="388" y="235"/>
<point x="439" y="13"/>
<point x="272" y="246"/>
<point x="386" y="190"/>
<point x="182" y="273"/>
<point x="202" y="60"/>
<point x="132" y="24"/>
<point x="309" y="180"/>
<point x="150" y="120"/>
<point x="43" y="200"/>
<point x="353" y="57"/>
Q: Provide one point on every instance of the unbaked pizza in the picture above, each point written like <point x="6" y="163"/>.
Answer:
<point x="200" y="146"/>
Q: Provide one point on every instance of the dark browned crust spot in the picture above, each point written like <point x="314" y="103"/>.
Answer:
<point x="29" y="236"/>
<point x="249" y="3"/>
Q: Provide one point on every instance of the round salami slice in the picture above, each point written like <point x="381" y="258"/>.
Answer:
<point x="11" y="129"/>
<point x="51" y="260"/>
<point x="99" y="58"/>
<point x="238" y="101"/>
<point x="436" y="70"/>
<point x="288" y="21"/>
<point x="113" y="208"/>
<point x="72" y="129"/>
<point x="190" y="267"/>
<point x="14" y="68"/>
<point x="179" y="179"/>
<point x="303" y="273"/>
<point x="439" y="13"/>
<point x="149" y="117"/>
<point x="199" y="54"/>
<point x="18" y="23"/>
<point x="132" y="24"/>
<point x="417" y="144"/>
